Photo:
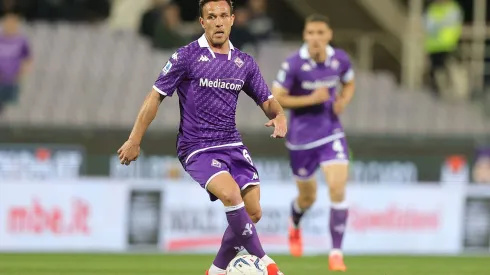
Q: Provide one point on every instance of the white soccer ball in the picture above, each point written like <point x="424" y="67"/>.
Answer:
<point x="246" y="265"/>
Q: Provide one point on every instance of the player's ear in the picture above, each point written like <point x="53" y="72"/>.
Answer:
<point x="201" y="21"/>
<point x="232" y="19"/>
<point x="330" y="34"/>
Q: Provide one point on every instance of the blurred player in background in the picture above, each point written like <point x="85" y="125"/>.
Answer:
<point x="306" y="84"/>
<point x="15" y="58"/>
<point x="208" y="75"/>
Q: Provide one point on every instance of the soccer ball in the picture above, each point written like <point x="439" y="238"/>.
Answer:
<point x="246" y="265"/>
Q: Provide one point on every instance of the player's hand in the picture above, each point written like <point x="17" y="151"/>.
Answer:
<point x="129" y="152"/>
<point x="339" y="106"/>
<point x="280" y="125"/>
<point x="319" y="96"/>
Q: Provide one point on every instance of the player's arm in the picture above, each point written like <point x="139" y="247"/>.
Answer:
<point x="293" y="102"/>
<point x="272" y="108"/>
<point x="348" y="89"/>
<point x="278" y="120"/>
<point x="283" y="84"/>
<point x="256" y="88"/>
<point x="147" y="113"/>
<point x="168" y="81"/>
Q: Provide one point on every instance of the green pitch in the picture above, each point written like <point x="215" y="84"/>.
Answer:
<point x="121" y="264"/>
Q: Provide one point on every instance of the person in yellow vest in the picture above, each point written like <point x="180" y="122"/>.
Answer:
<point x="443" y="26"/>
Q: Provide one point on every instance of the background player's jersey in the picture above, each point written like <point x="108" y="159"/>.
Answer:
<point x="208" y="85"/>
<point x="313" y="126"/>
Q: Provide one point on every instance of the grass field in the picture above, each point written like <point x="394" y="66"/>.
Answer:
<point x="93" y="264"/>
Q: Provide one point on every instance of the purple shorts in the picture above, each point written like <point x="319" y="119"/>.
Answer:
<point x="205" y="165"/>
<point x="304" y="163"/>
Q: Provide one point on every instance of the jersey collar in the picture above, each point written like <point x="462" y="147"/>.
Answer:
<point x="203" y="43"/>
<point x="305" y="54"/>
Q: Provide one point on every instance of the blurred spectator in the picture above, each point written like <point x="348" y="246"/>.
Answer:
<point x="481" y="170"/>
<point x="240" y="35"/>
<point x="443" y="26"/>
<point x="6" y="6"/>
<point x="166" y="34"/>
<point x="69" y="10"/>
<point x="150" y="19"/>
<point x="15" y="58"/>
<point x="261" y="26"/>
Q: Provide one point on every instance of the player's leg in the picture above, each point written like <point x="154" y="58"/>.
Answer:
<point x="303" y="164"/>
<point x="230" y="246"/>
<point x="212" y="171"/>
<point x="247" y="178"/>
<point x="335" y="167"/>
<point x="240" y="225"/>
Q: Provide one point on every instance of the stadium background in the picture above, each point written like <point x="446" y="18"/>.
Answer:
<point x="420" y="176"/>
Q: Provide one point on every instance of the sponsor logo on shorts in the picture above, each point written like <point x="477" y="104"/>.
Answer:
<point x="302" y="172"/>
<point x="216" y="163"/>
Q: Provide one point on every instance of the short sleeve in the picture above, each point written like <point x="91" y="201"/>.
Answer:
<point x="347" y="73"/>
<point x="255" y="86"/>
<point x="285" y="76"/>
<point x="172" y="74"/>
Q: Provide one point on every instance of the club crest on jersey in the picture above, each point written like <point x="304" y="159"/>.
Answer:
<point x="239" y="62"/>
<point x="215" y="163"/>
<point x="167" y="67"/>
<point x="306" y="67"/>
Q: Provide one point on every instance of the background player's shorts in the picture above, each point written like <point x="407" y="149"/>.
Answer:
<point x="304" y="163"/>
<point x="205" y="165"/>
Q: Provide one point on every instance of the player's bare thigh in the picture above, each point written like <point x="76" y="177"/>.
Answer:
<point x="336" y="175"/>
<point x="307" y="190"/>
<point x="225" y="188"/>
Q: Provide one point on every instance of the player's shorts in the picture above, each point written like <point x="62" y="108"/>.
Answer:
<point x="206" y="165"/>
<point x="304" y="163"/>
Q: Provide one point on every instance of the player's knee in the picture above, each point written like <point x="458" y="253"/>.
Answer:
<point x="230" y="197"/>
<point x="255" y="215"/>
<point x="337" y="192"/>
<point x="305" y="201"/>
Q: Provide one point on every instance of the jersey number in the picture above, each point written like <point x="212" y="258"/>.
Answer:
<point x="339" y="149"/>
<point x="246" y="155"/>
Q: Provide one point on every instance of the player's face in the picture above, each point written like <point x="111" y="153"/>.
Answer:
<point x="216" y="21"/>
<point x="317" y="35"/>
<point x="11" y="24"/>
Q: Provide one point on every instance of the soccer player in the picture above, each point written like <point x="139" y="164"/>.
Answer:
<point x="306" y="84"/>
<point x="208" y="75"/>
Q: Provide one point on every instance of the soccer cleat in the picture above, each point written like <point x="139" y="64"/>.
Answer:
<point x="272" y="269"/>
<point x="295" y="242"/>
<point x="336" y="262"/>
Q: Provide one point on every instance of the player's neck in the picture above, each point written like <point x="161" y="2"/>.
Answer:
<point x="319" y="57"/>
<point x="221" y="49"/>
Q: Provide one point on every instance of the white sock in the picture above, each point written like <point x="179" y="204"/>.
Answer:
<point x="267" y="260"/>
<point x="336" y="252"/>
<point x="214" y="270"/>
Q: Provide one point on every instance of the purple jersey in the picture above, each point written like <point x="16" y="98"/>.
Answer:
<point x="314" y="126"/>
<point x="208" y="85"/>
<point x="13" y="51"/>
